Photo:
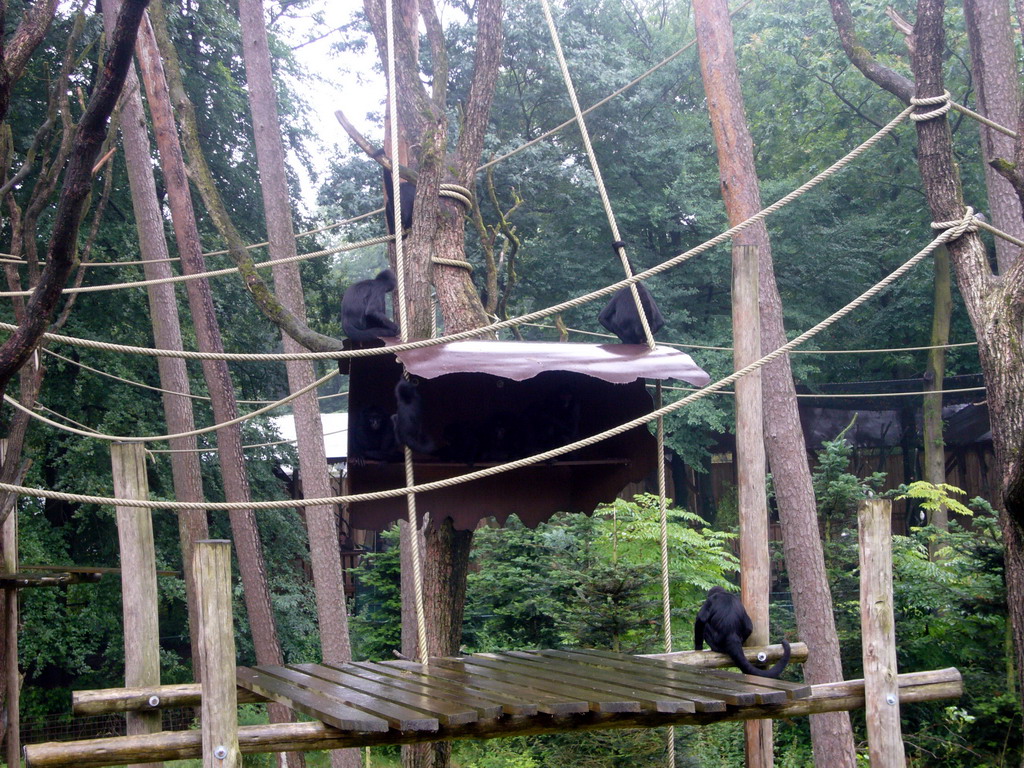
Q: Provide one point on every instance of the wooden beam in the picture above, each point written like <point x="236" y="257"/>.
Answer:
<point x="180" y="745"/>
<point x="138" y="579"/>
<point x="9" y="638"/>
<point x="102" y="701"/>
<point x="86" y="569"/>
<point x="755" y="567"/>
<point x="878" y="634"/>
<point x="105" y="700"/>
<point x="212" y="566"/>
<point x="28" y="580"/>
<point x="710" y="659"/>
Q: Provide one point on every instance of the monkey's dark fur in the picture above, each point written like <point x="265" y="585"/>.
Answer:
<point x="408" y="420"/>
<point x="620" y="316"/>
<point x="406" y="195"/>
<point x="725" y="624"/>
<point x="364" y="311"/>
<point x="373" y="437"/>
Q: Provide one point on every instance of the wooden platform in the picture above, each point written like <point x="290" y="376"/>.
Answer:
<point x="453" y="692"/>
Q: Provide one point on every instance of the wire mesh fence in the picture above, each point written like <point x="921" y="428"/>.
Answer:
<point x="67" y="728"/>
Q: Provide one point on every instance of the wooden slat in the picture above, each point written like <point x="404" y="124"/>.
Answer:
<point x="650" y="697"/>
<point x="794" y="690"/>
<point x="310" y="703"/>
<point x="545" y="702"/>
<point x="682" y="683"/>
<point x="511" y="704"/>
<point x="485" y="709"/>
<point x="736" y="694"/>
<point x="397" y="716"/>
<point x="663" y="684"/>
<point x="598" y="700"/>
<point x="446" y="712"/>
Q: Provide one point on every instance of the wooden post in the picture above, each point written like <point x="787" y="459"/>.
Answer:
<point x="750" y="463"/>
<point x="138" y="580"/>
<point x="881" y="686"/>
<point x="9" y="638"/>
<point x="217" y="655"/>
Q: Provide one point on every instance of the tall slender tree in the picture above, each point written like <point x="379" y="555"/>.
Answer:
<point x="160" y="84"/>
<point x="805" y="561"/>
<point x="163" y="307"/>
<point x="320" y="520"/>
<point x="994" y="303"/>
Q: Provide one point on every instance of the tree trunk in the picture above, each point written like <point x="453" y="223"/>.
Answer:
<point x="993" y="63"/>
<point x="163" y="310"/>
<point x="438" y="231"/>
<point x="321" y="524"/>
<point x="831" y="733"/>
<point x="934" y="444"/>
<point x="89" y="136"/>
<point x="229" y="442"/>
<point x="996" y="309"/>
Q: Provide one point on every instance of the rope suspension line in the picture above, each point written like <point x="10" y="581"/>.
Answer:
<point x="211" y="273"/>
<point x="618" y="244"/>
<point x="160" y="438"/>
<point x="849" y="395"/>
<point x="679" y="345"/>
<point x="511" y="322"/>
<point x="423" y="651"/>
<point x="943" y="237"/>
<point x="141" y="385"/>
<point x="223" y="252"/>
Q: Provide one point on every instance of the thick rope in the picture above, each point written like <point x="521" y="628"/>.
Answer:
<point x="929" y="101"/>
<point x="850" y="395"/>
<point x="666" y="595"/>
<point x="678" y="345"/>
<point x="529" y="317"/>
<point x="461" y="264"/>
<point x="150" y="387"/>
<point x="619" y="246"/>
<point x="211" y="273"/>
<point x="403" y="324"/>
<point x="160" y="438"/>
<point x="944" y="237"/>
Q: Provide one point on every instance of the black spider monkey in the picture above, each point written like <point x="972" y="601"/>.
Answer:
<point x="408" y="421"/>
<point x="725" y="624"/>
<point x="363" y="311"/>
<point x="373" y="437"/>
<point x="406" y="195"/>
<point x="621" y="318"/>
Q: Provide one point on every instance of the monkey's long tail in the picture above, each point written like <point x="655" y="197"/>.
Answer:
<point x="747" y="668"/>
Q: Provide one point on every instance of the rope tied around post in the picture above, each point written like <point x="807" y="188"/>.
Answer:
<point x="945" y="100"/>
<point x="969" y="223"/>
<point x="458" y="193"/>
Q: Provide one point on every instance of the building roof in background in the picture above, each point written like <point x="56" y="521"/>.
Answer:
<point x="335" y="427"/>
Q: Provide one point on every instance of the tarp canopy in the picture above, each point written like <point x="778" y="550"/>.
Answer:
<point x="521" y="360"/>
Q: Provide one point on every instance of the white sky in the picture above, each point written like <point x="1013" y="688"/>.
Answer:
<point x="350" y="84"/>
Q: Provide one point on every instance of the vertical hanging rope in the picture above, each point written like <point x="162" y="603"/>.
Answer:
<point x="666" y="598"/>
<point x="619" y="246"/>
<point x="403" y="323"/>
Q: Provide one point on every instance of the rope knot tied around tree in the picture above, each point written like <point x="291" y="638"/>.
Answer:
<point x="945" y="100"/>
<point x="957" y="227"/>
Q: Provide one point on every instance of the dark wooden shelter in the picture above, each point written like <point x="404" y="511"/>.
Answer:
<point x="471" y="384"/>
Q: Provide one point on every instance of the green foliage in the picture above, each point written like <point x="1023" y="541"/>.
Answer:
<point x="932" y="497"/>
<point x="376" y="626"/>
<point x="837" y="490"/>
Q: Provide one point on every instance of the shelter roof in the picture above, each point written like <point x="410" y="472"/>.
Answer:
<point x="521" y="360"/>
